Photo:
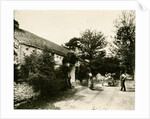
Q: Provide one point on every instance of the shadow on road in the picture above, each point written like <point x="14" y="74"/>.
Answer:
<point x="43" y="102"/>
<point x="130" y="90"/>
<point x="98" y="89"/>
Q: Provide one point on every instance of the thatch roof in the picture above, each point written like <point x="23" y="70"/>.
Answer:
<point x="30" y="39"/>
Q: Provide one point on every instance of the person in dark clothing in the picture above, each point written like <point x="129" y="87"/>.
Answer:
<point x="69" y="80"/>
<point x="123" y="79"/>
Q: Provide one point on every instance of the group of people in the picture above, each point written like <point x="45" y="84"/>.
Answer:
<point x="122" y="80"/>
<point x="91" y="83"/>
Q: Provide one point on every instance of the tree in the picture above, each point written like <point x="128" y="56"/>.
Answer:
<point x="106" y="64"/>
<point x="42" y="63"/>
<point x="87" y="48"/>
<point x="73" y="44"/>
<point x="89" y="44"/>
<point x="38" y="69"/>
<point x="125" y="39"/>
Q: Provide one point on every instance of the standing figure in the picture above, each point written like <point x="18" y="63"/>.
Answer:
<point x="98" y="77"/>
<point x="123" y="79"/>
<point x="69" y="80"/>
<point x="90" y="81"/>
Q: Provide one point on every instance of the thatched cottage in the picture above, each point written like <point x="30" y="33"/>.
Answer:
<point x="26" y="42"/>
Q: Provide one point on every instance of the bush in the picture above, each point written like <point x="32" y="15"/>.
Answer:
<point x="23" y="91"/>
<point x="60" y="73"/>
<point x="39" y="71"/>
<point x="71" y="58"/>
<point x="16" y="72"/>
<point x="46" y="85"/>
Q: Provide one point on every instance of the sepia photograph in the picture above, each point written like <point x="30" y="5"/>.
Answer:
<point x="74" y="59"/>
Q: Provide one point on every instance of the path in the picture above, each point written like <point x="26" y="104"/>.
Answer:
<point x="102" y="98"/>
<point x="82" y="98"/>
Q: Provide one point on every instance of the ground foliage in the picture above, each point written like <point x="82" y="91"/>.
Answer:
<point x="23" y="92"/>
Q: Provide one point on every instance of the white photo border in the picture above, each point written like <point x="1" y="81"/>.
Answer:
<point x="142" y="59"/>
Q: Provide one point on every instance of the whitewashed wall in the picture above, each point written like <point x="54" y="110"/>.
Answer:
<point x="25" y="50"/>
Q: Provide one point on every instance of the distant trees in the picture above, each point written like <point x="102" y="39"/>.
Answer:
<point x="88" y="47"/>
<point x="91" y="44"/>
<point x="107" y="64"/>
<point x="125" y="39"/>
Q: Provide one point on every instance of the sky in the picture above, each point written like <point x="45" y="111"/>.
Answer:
<point x="59" y="26"/>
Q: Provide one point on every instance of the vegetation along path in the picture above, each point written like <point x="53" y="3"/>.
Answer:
<point x="82" y="98"/>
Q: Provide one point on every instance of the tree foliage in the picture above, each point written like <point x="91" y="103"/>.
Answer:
<point x="87" y="47"/>
<point x="81" y="72"/>
<point x="70" y="58"/>
<point x="103" y="65"/>
<point x="125" y="39"/>
<point x="39" y="71"/>
<point x="89" y="44"/>
<point x="73" y="44"/>
<point x="42" y="63"/>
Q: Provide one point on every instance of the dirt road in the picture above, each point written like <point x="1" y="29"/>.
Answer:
<point x="82" y="98"/>
<point x="101" y="98"/>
